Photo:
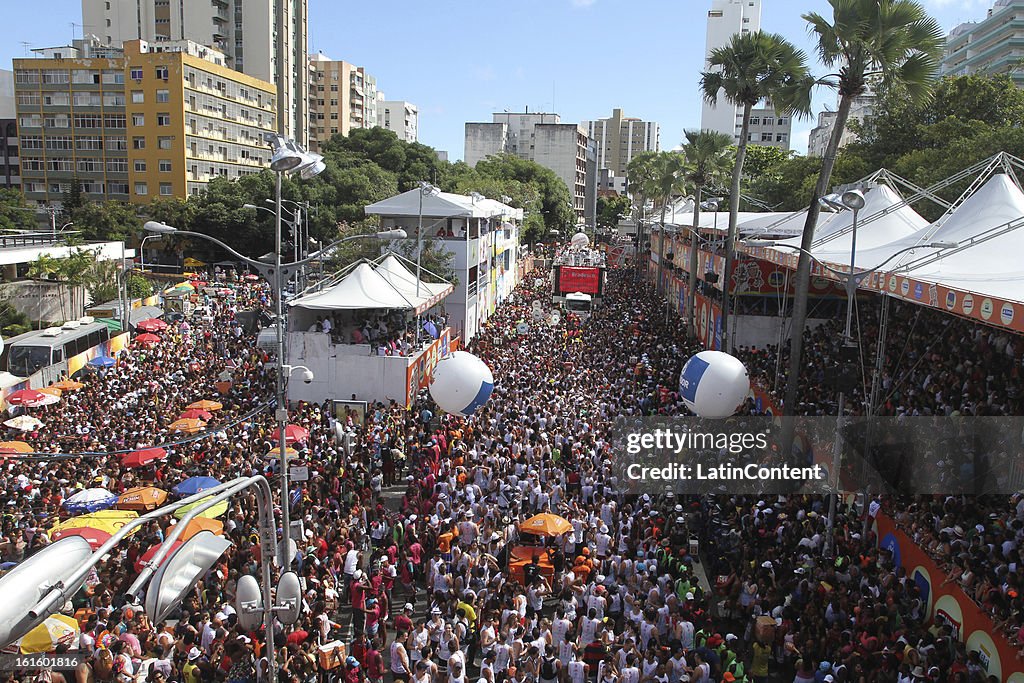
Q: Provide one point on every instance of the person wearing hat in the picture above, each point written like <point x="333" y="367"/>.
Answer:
<point x="190" y="672"/>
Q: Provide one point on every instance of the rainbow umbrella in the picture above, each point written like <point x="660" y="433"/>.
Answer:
<point x="104" y="520"/>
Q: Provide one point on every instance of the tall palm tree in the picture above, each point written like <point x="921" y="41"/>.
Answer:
<point x="753" y="68"/>
<point x="708" y="158"/>
<point x="669" y="182"/>
<point x="894" y="42"/>
<point x="640" y="176"/>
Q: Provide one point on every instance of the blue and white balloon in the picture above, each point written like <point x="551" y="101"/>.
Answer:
<point x="462" y="383"/>
<point x="712" y="384"/>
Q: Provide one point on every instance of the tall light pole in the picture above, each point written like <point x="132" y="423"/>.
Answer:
<point x="426" y="190"/>
<point x="851" y="279"/>
<point x="142" y="248"/>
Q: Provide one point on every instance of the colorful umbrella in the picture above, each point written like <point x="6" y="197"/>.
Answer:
<point x="196" y="414"/>
<point x="289" y="453"/>
<point x="215" y="510"/>
<point x="12" y="447"/>
<point x="103" y="362"/>
<point x="194" y="485"/>
<point x="185" y="285"/>
<point x="144" y="498"/>
<point x="51" y="391"/>
<point x="67" y="385"/>
<point x="151" y="553"/>
<point x="545" y="524"/>
<point x="143" y="457"/>
<point x="211" y="406"/>
<point x="151" y="325"/>
<point x="90" y="500"/>
<point x="214" y="526"/>
<point x="147" y="338"/>
<point x="188" y="425"/>
<point x="24" y="423"/>
<point x="292" y="434"/>
<point x="57" y="630"/>
<point x="96" y="537"/>
<point x="26" y="397"/>
<point x="104" y="520"/>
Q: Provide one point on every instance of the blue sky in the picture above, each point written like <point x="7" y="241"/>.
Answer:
<point x="461" y="60"/>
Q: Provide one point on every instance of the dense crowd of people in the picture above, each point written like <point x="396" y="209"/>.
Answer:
<point x="411" y="556"/>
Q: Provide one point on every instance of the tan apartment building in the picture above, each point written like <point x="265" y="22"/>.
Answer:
<point x="342" y="96"/>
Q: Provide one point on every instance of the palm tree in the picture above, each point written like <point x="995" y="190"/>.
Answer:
<point x="708" y="158"/>
<point x="753" y="68"/>
<point x="640" y="175"/>
<point x="894" y="42"/>
<point x="669" y="182"/>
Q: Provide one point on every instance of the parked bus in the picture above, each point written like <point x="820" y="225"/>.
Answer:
<point x="51" y="348"/>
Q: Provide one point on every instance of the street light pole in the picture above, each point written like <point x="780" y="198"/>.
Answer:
<point x="281" y="411"/>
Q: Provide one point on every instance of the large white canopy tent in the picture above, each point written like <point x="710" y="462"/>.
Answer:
<point x="441" y="205"/>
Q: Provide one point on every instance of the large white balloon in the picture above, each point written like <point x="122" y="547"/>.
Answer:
<point x="461" y="384"/>
<point x="713" y="384"/>
<point x="580" y="239"/>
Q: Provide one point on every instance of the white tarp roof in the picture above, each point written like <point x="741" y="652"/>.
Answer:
<point x="680" y="213"/>
<point x="992" y="266"/>
<point x="402" y="279"/>
<point x="441" y="205"/>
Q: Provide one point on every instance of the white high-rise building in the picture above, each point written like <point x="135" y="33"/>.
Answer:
<point x="400" y="116"/>
<point x="726" y="18"/>
<point x="246" y="31"/>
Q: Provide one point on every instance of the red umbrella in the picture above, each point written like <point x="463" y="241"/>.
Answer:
<point x="292" y="434"/>
<point x="149" y="554"/>
<point x="27" y="397"/>
<point x="152" y="325"/>
<point x="96" y="537"/>
<point x="196" y="413"/>
<point x="143" y="457"/>
<point x="147" y="338"/>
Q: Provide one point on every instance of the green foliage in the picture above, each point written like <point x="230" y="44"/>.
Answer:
<point x="525" y="179"/>
<point x="12" y="321"/>
<point x="108" y="221"/>
<point x="612" y="209"/>
<point x="14" y="213"/>
<point x="139" y="287"/>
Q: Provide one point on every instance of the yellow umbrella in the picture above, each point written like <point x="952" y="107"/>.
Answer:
<point x="67" y="385"/>
<point x="189" y="425"/>
<point x="211" y="406"/>
<point x="53" y="391"/>
<point x="211" y="512"/>
<point x="214" y="526"/>
<point x="193" y="263"/>
<point x="58" y="629"/>
<point x="15" y="447"/>
<point x="109" y="521"/>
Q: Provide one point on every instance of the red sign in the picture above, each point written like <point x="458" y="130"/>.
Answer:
<point x="579" y="279"/>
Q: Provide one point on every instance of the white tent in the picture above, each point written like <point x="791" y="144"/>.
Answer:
<point x="402" y="279"/>
<point x="988" y="227"/>
<point x="778" y="223"/>
<point x="898" y="224"/>
<point x="441" y="205"/>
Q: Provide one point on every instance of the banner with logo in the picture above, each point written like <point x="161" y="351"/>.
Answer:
<point x="948" y="604"/>
<point x="988" y="310"/>
<point x="571" y="279"/>
<point x="421" y="370"/>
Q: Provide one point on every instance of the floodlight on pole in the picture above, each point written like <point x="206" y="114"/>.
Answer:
<point x="853" y="199"/>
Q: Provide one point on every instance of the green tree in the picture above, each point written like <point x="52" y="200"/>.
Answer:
<point x="752" y="68"/>
<point x="555" y="200"/>
<point x="708" y="159"/>
<point x="139" y="287"/>
<point x="893" y="42"/>
<point x="669" y="181"/>
<point x="174" y="211"/>
<point x="641" y="175"/>
<point x="12" y="321"/>
<point x="14" y="213"/>
<point x="612" y="209"/>
<point x="72" y="200"/>
<point x="106" y="221"/>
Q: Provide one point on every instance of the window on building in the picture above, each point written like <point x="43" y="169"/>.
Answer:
<point x="117" y="165"/>
<point x="135" y="73"/>
<point x="56" y="76"/>
<point x="117" y="187"/>
<point x="138" y="142"/>
<point x="113" y="77"/>
<point x="138" y="120"/>
<point x="28" y="99"/>
<point x="165" y="142"/>
<point x="766" y="137"/>
<point x="162" y="72"/>
<point x="138" y="97"/>
<point x="116" y="143"/>
<point x="768" y="121"/>
<point x="163" y="119"/>
<point x="113" y="99"/>
<point x="140" y="165"/>
<point x="165" y="166"/>
<point x="30" y="121"/>
<point x="755" y="120"/>
<point x="166" y="189"/>
<point x="781" y="137"/>
<point x="114" y="120"/>
<point x="141" y="189"/>
<point x="163" y="96"/>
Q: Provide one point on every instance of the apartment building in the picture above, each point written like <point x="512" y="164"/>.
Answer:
<point x="253" y="35"/>
<point x="620" y="138"/>
<point x="145" y="121"/>
<point x="10" y="164"/>
<point x="401" y="117"/>
<point x="539" y="137"/>
<point x="342" y="96"/>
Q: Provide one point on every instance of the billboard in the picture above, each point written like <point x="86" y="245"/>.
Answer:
<point x="569" y="279"/>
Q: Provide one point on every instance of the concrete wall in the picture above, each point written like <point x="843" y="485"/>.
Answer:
<point x="339" y="375"/>
<point x="39" y="300"/>
<point x="484" y="139"/>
